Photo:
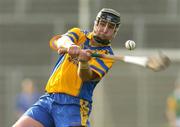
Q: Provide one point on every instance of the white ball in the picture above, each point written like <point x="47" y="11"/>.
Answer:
<point x="130" y="44"/>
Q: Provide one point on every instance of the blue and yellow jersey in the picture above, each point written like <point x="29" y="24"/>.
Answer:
<point x="64" y="77"/>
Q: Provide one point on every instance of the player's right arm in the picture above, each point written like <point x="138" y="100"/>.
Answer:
<point x="71" y="38"/>
<point x="59" y="41"/>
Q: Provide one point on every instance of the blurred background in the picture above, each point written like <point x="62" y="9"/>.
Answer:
<point x="129" y="96"/>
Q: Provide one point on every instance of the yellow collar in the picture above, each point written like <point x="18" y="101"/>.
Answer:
<point x="90" y="35"/>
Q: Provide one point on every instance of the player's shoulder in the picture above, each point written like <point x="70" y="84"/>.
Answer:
<point x="109" y="49"/>
<point x="104" y="50"/>
<point x="74" y="29"/>
<point x="79" y="30"/>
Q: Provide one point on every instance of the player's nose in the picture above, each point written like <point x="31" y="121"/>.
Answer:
<point x="105" y="28"/>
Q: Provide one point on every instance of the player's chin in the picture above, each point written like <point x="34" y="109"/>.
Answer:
<point x="102" y="37"/>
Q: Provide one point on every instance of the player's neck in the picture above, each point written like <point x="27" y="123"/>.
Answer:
<point x="96" y="44"/>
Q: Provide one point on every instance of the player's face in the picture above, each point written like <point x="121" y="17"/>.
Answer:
<point x="104" y="29"/>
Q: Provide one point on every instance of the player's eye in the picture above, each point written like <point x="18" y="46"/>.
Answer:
<point x="111" y="26"/>
<point x="102" y="23"/>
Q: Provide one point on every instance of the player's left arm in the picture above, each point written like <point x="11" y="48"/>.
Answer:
<point x="84" y="70"/>
<point x="94" y="69"/>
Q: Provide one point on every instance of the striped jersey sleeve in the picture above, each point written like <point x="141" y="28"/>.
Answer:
<point x="75" y="34"/>
<point x="101" y="65"/>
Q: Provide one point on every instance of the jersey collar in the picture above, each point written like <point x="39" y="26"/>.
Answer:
<point x="90" y="35"/>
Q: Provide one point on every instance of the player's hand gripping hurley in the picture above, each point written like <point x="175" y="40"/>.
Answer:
<point x="155" y="63"/>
